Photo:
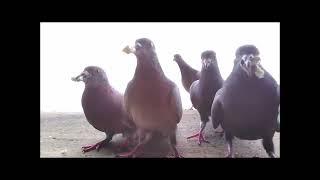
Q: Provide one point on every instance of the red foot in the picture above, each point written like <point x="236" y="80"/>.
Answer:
<point x="124" y="145"/>
<point x="92" y="147"/>
<point x="200" y="138"/>
<point x="130" y="154"/>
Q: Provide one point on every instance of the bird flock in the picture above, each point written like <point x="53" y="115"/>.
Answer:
<point x="245" y="105"/>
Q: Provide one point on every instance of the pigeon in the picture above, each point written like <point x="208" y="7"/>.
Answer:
<point x="188" y="74"/>
<point x="202" y="91"/>
<point x="247" y="105"/>
<point x="151" y="99"/>
<point x="103" y="107"/>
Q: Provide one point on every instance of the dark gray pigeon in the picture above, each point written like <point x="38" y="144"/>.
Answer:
<point x="247" y="105"/>
<point x="202" y="91"/>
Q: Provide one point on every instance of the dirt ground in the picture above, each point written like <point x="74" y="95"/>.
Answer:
<point x="63" y="135"/>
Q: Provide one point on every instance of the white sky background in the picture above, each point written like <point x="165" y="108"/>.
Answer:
<point x="67" y="48"/>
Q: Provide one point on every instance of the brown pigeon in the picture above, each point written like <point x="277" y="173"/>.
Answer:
<point x="202" y="91"/>
<point x="151" y="99"/>
<point x="103" y="106"/>
<point x="247" y="105"/>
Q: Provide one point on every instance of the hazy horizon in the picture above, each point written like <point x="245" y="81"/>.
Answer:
<point x="67" y="48"/>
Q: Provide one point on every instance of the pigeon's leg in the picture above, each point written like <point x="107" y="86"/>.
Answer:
<point x="200" y="134"/>
<point x="220" y="132"/>
<point x="137" y="150"/>
<point x="269" y="147"/>
<point x="229" y="138"/>
<point x="98" y="145"/>
<point x="173" y="143"/>
<point x="124" y="144"/>
<point x="130" y="139"/>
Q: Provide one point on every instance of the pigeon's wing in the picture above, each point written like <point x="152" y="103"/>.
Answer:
<point x="175" y="103"/>
<point x="217" y="109"/>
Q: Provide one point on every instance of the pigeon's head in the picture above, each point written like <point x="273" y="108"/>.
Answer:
<point x="208" y="58"/>
<point x="91" y="74"/>
<point x="143" y="47"/>
<point x="248" y="57"/>
<point x="245" y="49"/>
<point x="177" y="57"/>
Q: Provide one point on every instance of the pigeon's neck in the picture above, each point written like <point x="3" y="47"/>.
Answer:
<point x="148" y="68"/>
<point x="97" y="83"/>
<point x="183" y="66"/>
<point x="210" y="73"/>
<point x="242" y="77"/>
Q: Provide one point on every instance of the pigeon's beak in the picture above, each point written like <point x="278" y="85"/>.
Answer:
<point x="129" y="50"/>
<point x="206" y="62"/>
<point x="81" y="77"/>
<point x="174" y="59"/>
<point x="251" y="65"/>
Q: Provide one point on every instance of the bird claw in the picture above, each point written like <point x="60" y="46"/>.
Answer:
<point x="200" y="138"/>
<point x="123" y="145"/>
<point x="193" y="136"/>
<point x="203" y="139"/>
<point x="89" y="148"/>
<point x="200" y="142"/>
<point x="92" y="147"/>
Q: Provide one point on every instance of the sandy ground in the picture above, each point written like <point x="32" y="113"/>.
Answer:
<point x="63" y="135"/>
